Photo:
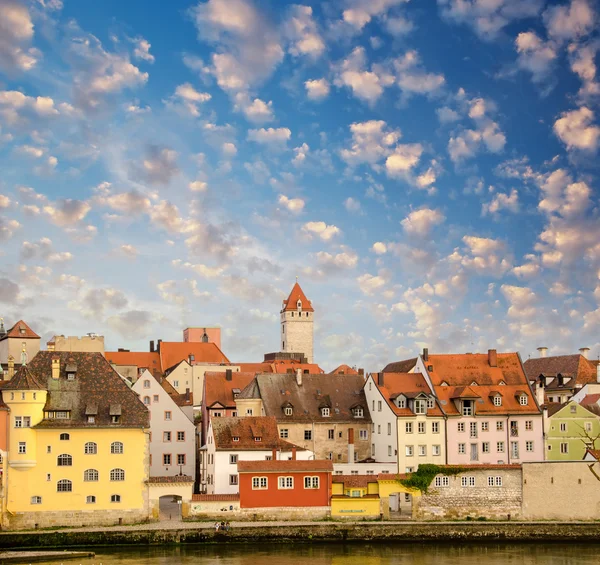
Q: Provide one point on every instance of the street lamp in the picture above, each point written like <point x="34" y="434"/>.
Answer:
<point x="179" y="503"/>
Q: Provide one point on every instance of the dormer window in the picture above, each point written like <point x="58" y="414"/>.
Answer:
<point x="444" y="383"/>
<point x="420" y="407"/>
<point x="502" y="383"/>
<point x="299" y="304"/>
<point x="288" y="410"/>
<point x="474" y="383"/>
<point x="401" y="402"/>
<point x="22" y="331"/>
<point x="257" y="438"/>
<point x="236" y="392"/>
<point x="70" y="376"/>
<point x="497" y="400"/>
<point x="430" y="403"/>
<point x="523" y="400"/>
<point x="467" y="407"/>
<point x="358" y="412"/>
<point x="325" y="412"/>
<point x="236" y="438"/>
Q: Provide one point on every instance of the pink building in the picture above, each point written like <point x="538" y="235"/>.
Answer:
<point x="203" y="335"/>
<point x="492" y="414"/>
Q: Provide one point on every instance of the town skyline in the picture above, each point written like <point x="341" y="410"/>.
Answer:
<point x="427" y="172"/>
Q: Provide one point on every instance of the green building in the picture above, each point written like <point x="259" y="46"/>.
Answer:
<point x="570" y="429"/>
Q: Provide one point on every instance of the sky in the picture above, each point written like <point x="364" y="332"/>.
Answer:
<point x="428" y="170"/>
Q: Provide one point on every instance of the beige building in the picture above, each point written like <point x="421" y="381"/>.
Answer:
<point x="297" y="321"/>
<point x="90" y="343"/>
<point x="17" y="343"/>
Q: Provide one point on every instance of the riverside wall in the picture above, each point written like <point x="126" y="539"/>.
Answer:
<point x="317" y="532"/>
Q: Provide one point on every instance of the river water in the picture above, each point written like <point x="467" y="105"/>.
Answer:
<point x="352" y="554"/>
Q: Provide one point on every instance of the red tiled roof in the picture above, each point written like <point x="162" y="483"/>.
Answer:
<point x="15" y="331"/>
<point x="280" y="366"/>
<point x="215" y="497"/>
<point x="179" y="399"/>
<point x="584" y="369"/>
<point x="344" y="370"/>
<point x="246" y="429"/>
<point x="591" y="399"/>
<point x="139" y="359"/>
<point x="219" y="389"/>
<point x="354" y="481"/>
<point x="595" y="453"/>
<point x="255" y="367"/>
<point x="24" y="379"/>
<point x="395" y="384"/>
<point x="292" y="300"/>
<point x="173" y="352"/>
<point x="288" y="466"/>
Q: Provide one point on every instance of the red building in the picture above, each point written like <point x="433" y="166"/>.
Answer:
<point x="269" y="484"/>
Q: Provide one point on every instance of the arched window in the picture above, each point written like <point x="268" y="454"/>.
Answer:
<point x="115" y="498"/>
<point x="64" y="460"/>
<point x="90" y="500"/>
<point x="65" y="437"/>
<point x="91" y="448"/>
<point x="117" y="475"/>
<point x="146" y="400"/>
<point x="64" y="485"/>
<point x="90" y="475"/>
<point x="146" y="383"/>
<point x="288" y="410"/>
<point x="116" y="447"/>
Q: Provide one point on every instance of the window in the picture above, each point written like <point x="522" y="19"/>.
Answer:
<point x="49" y="449"/>
<point x="116" y="447"/>
<point x="379" y="429"/>
<point x="307" y="435"/>
<point x="461" y="426"/>
<point x="284" y="433"/>
<point x="18" y="422"/>
<point x="117" y="475"/>
<point x="91" y="419"/>
<point x="64" y="460"/>
<point x="485" y="426"/>
<point x="166" y="436"/>
<point x="467" y="481"/>
<point x="564" y="447"/>
<point x="325" y="412"/>
<point x="494" y="481"/>
<point x="22" y="447"/>
<point x="421" y="427"/>
<point x="64" y="485"/>
<point x="115" y="498"/>
<point x="146" y="383"/>
<point x="259" y="483"/>
<point x="473" y="429"/>
<point x="485" y="447"/>
<point x="235" y="438"/>
<point x="233" y="459"/>
<point x="330" y="434"/>
<point x="285" y="483"/>
<point x="563" y="427"/>
<point x="408" y="427"/>
<point x="36" y="500"/>
<point x="442" y="481"/>
<point x="523" y="400"/>
<point x="500" y="447"/>
<point x="514" y="449"/>
<point x="311" y="482"/>
<point x="435" y="427"/>
<point x="181" y="459"/>
<point x="430" y="403"/>
<point x="90" y="448"/>
<point x="176" y="384"/>
<point x="146" y="400"/>
<point x="363" y="434"/>
<point x="529" y="446"/>
<point x="167" y="415"/>
<point x="372" y="450"/>
<point x="499" y="425"/>
<point x="90" y="500"/>
<point x="287" y="410"/>
<point x="409" y="450"/>
<point x="389" y="426"/>
<point x="467" y="408"/>
<point x="48" y="477"/>
<point x="401" y="402"/>
<point x="497" y="400"/>
<point x="462" y="448"/>
<point x="379" y="406"/>
<point x="409" y="469"/>
<point x="233" y="480"/>
<point x="61" y="415"/>
<point x="529" y="425"/>
<point x="90" y="475"/>
<point x="420" y="407"/>
<point x="64" y="437"/>
<point x="155" y="398"/>
<point x="166" y="458"/>
<point x="257" y="438"/>
<point x="180" y="436"/>
<point x="436" y="449"/>
<point x="422" y="450"/>
<point x="588" y="426"/>
<point x="389" y="450"/>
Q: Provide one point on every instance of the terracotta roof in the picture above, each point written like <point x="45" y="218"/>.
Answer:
<point x="15" y="331"/>
<point x="344" y="370"/>
<point x="24" y="379"/>
<point x="407" y="384"/>
<point x="595" y="453"/>
<point x="139" y="359"/>
<point x="553" y="382"/>
<point x="184" y="399"/>
<point x="292" y="300"/>
<point x="288" y="466"/>
<point x="219" y="390"/>
<point x="354" y="481"/>
<point x="215" y="497"/>
<point x="171" y="479"/>
<point x="554" y="407"/>
<point x="254" y="367"/>
<point x="246" y="429"/>
<point x="279" y="366"/>
<point x="96" y="384"/>
<point x="591" y="399"/>
<point x="173" y="352"/>
<point x="578" y="365"/>
<point x="341" y="393"/>
<point x="400" y="366"/>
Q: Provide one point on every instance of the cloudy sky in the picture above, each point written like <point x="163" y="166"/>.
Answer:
<point x="429" y="171"/>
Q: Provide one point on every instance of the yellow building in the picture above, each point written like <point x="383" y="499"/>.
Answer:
<point x="77" y="449"/>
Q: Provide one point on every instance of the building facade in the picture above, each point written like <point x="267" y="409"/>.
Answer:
<point x="570" y="430"/>
<point x="297" y="324"/>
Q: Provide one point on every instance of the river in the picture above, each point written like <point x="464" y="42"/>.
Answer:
<point x="351" y="554"/>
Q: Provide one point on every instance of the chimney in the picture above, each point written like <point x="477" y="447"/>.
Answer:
<point x="361" y="372"/>
<point x="274" y="454"/>
<point x="11" y="367"/>
<point x="152" y="346"/>
<point x="351" y="445"/>
<point x="543" y="351"/>
<point x="158" y="345"/>
<point x="425" y="354"/>
<point x="293" y="454"/>
<point x="585" y="351"/>
<point x="299" y="377"/>
<point x="380" y="379"/>
<point x="228" y="374"/>
<point x="55" y="367"/>
<point x="492" y="358"/>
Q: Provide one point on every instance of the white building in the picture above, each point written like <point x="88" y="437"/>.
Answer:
<point x="297" y="321"/>
<point x="172" y="433"/>
<point x="229" y="440"/>
<point x="384" y="433"/>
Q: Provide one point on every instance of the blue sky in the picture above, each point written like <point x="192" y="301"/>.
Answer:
<point x="429" y="171"/>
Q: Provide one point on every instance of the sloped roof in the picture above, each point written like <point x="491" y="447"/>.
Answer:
<point x="173" y="352"/>
<point x="219" y="389"/>
<point x="400" y="366"/>
<point x="408" y="384"/>
<point x="344" y="370"/>
<point x="590" y="399"/>
<point x="344" y="391"/>
<point x="595" y="453"/>
<point x="246" y="429"/>
<point x="288" y="466"/>
<point x="24" y="379"/>
<point x="140" y="359"/>
<point x="184" y="399"/>
<point x="15" y="331"/>
<point x="583" y="369"/>
<point x="279" y="366"/>
<point x="291" y="303"/>
<point x="96" y="383"/>
<point x="354" y="481"/>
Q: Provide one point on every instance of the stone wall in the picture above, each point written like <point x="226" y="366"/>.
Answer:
<point x="203" y="512"/>
<point x="479" y="501"/>
<point x="73" y="519"/>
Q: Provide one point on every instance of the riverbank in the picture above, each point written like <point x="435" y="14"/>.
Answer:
<point x="33" y="556"/>
<point x="285" y="532"/>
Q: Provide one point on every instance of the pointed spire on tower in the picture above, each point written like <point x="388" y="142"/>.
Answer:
<point x="297" y="294"/>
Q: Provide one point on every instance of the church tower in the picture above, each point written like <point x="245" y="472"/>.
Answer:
<point x="297" y="324"/>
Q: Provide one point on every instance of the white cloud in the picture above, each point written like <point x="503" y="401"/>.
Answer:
<point x="522" y="301"/>
<point x="485" y="256"/>
<point x="527" y="271"/>
<point x="317" y="89"/>
<point x="67" y="212"/>
<point x="379" y="248"/>
<point x="582" y="59"/>
<point x="398" y="25"/>
<point x="360" y="12"/>
<point x="198" y="186"/>
<point x="502" y="201"/>
<point x="302" y="32"/>
<point x="4" y="201"/>
<point x="365" y="85"/>
<point x="338" y="261"/>
<point x="300" y="154"/>
<point x="413" y="79"/>
<point x="187" y="99"/>
<point x="447" y="115"/>
<point x="370" y="284"/>
<point x="352" y="205"/>
<point x="535" y="56"/>
<point x="403" y="159"/>
<point x="371" y="142"/>
<point x="321" y="230"/>
<point x="270" y="136"/>
<point x="16" y="33"/>
<point x="576" y="130"/>
<point x="293" y="205"/>
<point x="575" y="21"/>
<point x="128" y="250"/>
<point x="256" y="110"/>
<point x="229" y="149"/>
<point x="142" y="50"/>
<point x="7" y="228"/>
<point x="421" y="222"/>
<point x="158" y="167"/>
